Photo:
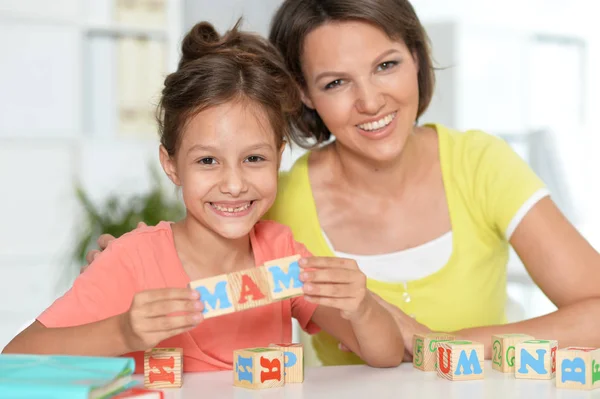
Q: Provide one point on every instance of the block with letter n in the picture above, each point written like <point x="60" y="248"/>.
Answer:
<point x="503" y="351"/>
<point x="460" y="360"/>
<point x="293" y="357"/>
<point x="425" y="349"/>
<point x="578" y="368"/>
<point x="535" y="359"/>
<point x="163" y="367"/>
<point x="258" y="368"/>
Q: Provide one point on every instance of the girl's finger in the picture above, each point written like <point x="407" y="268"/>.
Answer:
<point x="169" y="307"/>
<point x="337" y="276"/>
<point x="327" y="262"/>
<point x="168" y="324"/>
<point x="330" y="290"/>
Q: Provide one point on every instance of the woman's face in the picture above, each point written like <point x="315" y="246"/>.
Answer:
<point x="363" y="85"/>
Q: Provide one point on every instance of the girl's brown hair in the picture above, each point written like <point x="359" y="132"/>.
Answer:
<point x="295" y="19"/>
<point x="214" y="70"/>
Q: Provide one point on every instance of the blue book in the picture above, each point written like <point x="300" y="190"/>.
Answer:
<point x="66" y="377"/>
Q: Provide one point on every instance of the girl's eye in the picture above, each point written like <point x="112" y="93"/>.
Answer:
<point x="255" y="158"/>
<point x="386" y="65"/>
<point x="335" y="83"/>
<point x="207" y="161"/>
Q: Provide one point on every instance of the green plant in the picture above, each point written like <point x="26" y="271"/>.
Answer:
<point x="118" y="215"/>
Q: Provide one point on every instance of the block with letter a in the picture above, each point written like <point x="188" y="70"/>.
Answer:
<point x="163" y="367"/>
<point x="460" y="360"/>
<point x="258" y="368"/>
<point x="535" y="359"/>
<point x="578" y="368"/>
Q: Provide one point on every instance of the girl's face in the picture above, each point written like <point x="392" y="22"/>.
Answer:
<point x="363" y="85"/>
<point x="227" y="165"/>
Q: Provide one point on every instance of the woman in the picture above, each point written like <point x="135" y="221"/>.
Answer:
<point x="427" y="212"/>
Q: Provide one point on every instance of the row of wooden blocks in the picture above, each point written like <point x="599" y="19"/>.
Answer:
<point x="255" y="368"/>
<point x="233" y="292"/>
<point x="521" y="354"/>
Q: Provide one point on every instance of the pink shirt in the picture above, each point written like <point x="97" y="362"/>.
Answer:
<point x="146" y="259"/>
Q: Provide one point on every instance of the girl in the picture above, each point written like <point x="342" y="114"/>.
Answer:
<point x="224" y="116"/>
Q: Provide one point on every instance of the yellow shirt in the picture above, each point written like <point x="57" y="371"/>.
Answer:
<point x="486" y="183"/>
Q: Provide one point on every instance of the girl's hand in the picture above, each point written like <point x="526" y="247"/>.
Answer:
<point x="337" y="283"/>
<point x="156" y="315"/>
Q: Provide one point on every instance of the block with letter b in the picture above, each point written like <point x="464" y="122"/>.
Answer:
<point x="460" y="360"/>
<point x="293" y="357"/>
<point x="578" y="368"/>
<point x="258" y="368"/>
<point x="163" y="367"/>
<point x="284" y="277"/>
<point x="425" y="349"/>
<point x="535" y="359"/>
<point x="503" y="351"/>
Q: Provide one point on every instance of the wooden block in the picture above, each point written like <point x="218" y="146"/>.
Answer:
<point x="293" y="357"/>
<point x="216" y="295"/>
<point x="163" y="367"/>
<point x="460" y="360"/>
<point x="249" y="288"/>
<point x="258" y="368"/>
<point x="578" y="368"/>
<point x="284" y="277"/>
<point x="425" y="350"/>
<point x="503" y="351"/>
<point x="535" y="359"/>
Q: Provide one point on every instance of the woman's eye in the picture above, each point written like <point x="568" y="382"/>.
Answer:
<point x="207" y="161"/>
<point x="386" y="65"/>
<point x="334" y="84"/>
<point x="255" y="158"/>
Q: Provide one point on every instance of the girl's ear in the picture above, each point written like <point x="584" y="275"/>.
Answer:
<point x="281" y="149"/>
<point x="169" y="166"/>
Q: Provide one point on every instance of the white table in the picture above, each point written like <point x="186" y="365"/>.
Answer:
<point x="365" y="382"/>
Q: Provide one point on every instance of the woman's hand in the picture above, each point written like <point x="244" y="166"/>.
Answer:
<point x="102" y="242"/>
<point x="156" y="315"/>
<point x="336" y="283"/>
<point x="407" y="325"/>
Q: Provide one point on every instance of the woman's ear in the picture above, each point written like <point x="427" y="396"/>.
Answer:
<point x="169" y="166"/>
<point x="305" y="97"/>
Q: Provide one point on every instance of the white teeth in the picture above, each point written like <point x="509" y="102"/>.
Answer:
<point x="231" y="210"/>
<point x="383" y="122"/>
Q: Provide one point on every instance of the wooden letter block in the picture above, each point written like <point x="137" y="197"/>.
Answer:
<point x="425" y="350"/>
<point x="535" y="359"/>
<point x="250" y="288"/>
<point x="503" y="351"/>
<point x="293" y="357"/>
<point x="284" y="277"/>
<point x="578" y="368"/>
<point x="215" y="294"/>
<point x="163" y="367"/>
<point x="460" y="360"/>
<point x="258" y="368"/>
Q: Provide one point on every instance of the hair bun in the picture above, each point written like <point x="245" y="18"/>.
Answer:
<point x="201" y="40"/>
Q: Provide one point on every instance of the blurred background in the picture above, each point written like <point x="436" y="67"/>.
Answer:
<point x="79" y="80"/>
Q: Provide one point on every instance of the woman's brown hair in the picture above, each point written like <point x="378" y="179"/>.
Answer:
<point x="295" y="19"/>
<point x="214" y="70"/>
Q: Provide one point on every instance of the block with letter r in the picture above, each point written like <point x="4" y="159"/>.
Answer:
<point x="258" y="368"/>
<point x="293" y="357"/>
<point x="536" y="359"/>
<point x="578" y="368"/>
<point x="284" y="277"/>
